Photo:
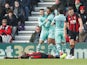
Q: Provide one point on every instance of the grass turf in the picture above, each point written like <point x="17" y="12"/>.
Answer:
<point x="43" y="62"/>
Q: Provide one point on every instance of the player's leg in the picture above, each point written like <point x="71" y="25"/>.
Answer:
<point x="72" y="37"/>
<point x="51" y="44"/>
<point x="63" y="43"/>
<point x="72" y="46"/>
<point x="39" y="45"/>
<point x="73" y="41"/>
<point x="58" y="43"/>
<point x="51" y="41"/>
<point x="43" y="37"/>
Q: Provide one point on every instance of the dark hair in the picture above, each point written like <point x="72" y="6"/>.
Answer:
<point x="50" y="9"/>
<point x="38" y="26"/>
<point x="16" y="1"/>
<point x="70" y="8"/>
<point x="60" y="11"/>
<point x="10" y="11"/>
<point x="41" y="9"/>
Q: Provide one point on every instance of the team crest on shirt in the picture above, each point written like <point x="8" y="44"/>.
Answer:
<point x="73" y="21"/>
<point x="74" y="17"/>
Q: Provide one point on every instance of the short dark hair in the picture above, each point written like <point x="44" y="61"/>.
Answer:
<point x="50" y="9"/>
<point x="41" y="9"/>
<point x="10" y="11"/>
<point x="60" y="11"/>
<point x="70" y="8"/>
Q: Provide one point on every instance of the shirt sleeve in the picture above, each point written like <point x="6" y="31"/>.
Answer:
<point x="41" y="23"/>
<point x="47" y="24"/>
<point x="54" y="20"/>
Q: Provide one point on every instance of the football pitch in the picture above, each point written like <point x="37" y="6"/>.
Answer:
<point x="43" y="62"/>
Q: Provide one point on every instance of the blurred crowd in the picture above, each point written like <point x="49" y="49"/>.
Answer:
<point x="13" y="14"/>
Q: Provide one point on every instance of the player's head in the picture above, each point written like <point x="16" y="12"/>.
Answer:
<point x="49" y="10"/>
<point x="70" y="11"/>
<point x="60" y="11"/>
<point x="42" y="12"/>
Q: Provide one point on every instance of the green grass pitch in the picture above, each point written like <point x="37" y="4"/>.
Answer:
<point x="43" y="62"/>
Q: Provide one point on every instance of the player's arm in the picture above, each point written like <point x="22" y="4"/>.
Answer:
<point x="47" y="23"/>
<point x="53" y="22"/>
<point x="49" y="20"/>
<point x="66" y="25"/>
<point x="40" y="22"/>
<point x="65" y="29"/>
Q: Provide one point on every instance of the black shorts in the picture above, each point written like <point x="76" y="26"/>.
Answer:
<point x="73" y="35"/>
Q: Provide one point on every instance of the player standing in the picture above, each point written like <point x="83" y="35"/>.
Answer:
<point x="74" y="25"/>
<point x="51" y="36"/>
<point x="59" y="21"/>
<point x="45" y="29"/>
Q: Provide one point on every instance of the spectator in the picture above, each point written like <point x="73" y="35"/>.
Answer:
<point x="25" y="4"/>
<point x="34" y="3"/>
<point x="7" y="8"/>
<point x="83" y="15"/>
<point x="18" y="11"/>
<point x="56" y="1"/>
<point x="35" y="36"/>
<point x="5" y="32"/>
<point x="70" y="3"/>
<point x="60" y="5"/>
<point x="12" y="21"/>
<point x="11" y="2"/>
<point x="77" y="5"/>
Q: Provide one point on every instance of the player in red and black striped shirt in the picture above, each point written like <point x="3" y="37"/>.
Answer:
<point x="74" y="25"/>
